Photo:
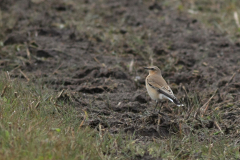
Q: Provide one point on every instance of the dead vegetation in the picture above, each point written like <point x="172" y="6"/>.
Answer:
<point x="92" y="54"/>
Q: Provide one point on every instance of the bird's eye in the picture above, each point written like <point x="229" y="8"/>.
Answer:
<point x="152" y="69"/>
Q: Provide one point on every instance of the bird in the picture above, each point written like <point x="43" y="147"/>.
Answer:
<point x="157" y="87"/>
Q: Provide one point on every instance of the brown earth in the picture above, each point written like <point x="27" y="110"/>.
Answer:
<point x="96" y="52"/>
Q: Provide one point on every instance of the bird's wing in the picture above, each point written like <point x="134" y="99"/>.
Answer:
<point x="159" y="84"/>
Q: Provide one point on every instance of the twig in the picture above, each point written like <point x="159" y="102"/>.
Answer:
<point x="82" y="123"/>
<point x="16" y="68"/>
<point x="159" y="121"/>
<point x="55" y="71"/>
<point x="59" y="95"/>
<point x="25" y="76"/>
<point x="196" y="113"/>
<point x="189" y="113"/>
<point x="4" y="90"/>
<point x="235" y="16"/>
<point x="57" y="107"/>
<point x="89" y="44"/>
<point x="31" y="127"/>
<point x="215" y="122"/>
<point x="99" y="62"/>
<point x="180" y="128"/>
<point x="100" y="131"/>
<point x="210" y="150"/>
<point x="206" y="105"/>
<point x="28" y="52"/>
<point x="96" y="60"/>
<point x="99" y="152"/>
<point x="131" y="65"/>
<point x="179" y="153"/>
<point x="36" y="106"/>
<point x="7" y="75"/>
<point x="230" y="80"/>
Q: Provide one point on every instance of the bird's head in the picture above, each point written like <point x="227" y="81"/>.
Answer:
<point x="153" y="70"/>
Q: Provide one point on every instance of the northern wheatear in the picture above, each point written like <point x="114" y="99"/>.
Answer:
<point x="158" y="88"/>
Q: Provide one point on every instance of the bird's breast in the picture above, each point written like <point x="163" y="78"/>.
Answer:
<point x="152" y="92"/>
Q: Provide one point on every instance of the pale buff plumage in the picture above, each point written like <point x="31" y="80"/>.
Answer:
<point x="158" y="88"/>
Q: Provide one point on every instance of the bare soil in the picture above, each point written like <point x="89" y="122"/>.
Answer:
<point x="96" y="52"/>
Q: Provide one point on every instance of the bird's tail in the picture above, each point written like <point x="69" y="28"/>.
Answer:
<point x="171" y="97"/>
<point x="177" y="102"/>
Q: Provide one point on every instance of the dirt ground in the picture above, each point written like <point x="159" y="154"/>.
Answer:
<point x="96" y="51"/>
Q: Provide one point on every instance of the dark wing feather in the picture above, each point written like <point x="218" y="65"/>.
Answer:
<point x="165" y="91"/>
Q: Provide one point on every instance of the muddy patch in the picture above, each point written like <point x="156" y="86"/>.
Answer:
<point x="96" y="52"/>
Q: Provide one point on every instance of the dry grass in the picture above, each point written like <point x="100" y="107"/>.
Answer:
<point x="34" y="127"/>
<point x="215" y="14"/>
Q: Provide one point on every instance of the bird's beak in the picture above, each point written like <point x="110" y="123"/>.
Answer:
<point x="146" y="68"/>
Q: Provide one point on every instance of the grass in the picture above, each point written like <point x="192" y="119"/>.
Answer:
<point x="215" y="14"/>
<point x="34" y="125"/>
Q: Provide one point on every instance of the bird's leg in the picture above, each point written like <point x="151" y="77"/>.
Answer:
<point x="159" y="111"/>
<point x="155" y="106"/>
